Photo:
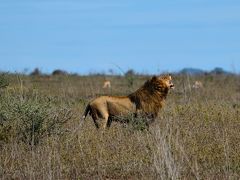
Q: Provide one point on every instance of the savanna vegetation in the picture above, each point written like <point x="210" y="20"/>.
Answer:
<point x="42" y="136"/>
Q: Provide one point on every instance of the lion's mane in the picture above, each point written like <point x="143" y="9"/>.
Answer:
<point x="150" y="97"/>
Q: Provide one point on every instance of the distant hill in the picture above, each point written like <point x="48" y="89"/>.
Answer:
<point x="195" y="71"/>
<point x="219" y="70"/>
<point x="192" y="71"/>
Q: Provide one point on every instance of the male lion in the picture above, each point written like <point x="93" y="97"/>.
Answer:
<point x="146" y="101"/>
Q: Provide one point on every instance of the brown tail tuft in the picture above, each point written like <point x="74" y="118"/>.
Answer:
<point x="87" y="110"/>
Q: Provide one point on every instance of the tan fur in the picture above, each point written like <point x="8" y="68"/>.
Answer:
<point x="106" y="84"/>
<point x="197" y="85"/>
<point x="146" y="101"/>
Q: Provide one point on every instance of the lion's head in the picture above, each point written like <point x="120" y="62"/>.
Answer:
<point x="161" y="84"/>
<point x="150" y="97"/>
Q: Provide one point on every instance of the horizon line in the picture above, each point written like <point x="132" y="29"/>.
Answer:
<point x="27" y="71"/>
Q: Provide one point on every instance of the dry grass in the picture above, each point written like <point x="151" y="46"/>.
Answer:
<point x="195" y="137"/>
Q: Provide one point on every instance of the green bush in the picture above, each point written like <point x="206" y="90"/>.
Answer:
<point x="134" y="123"/>
<point x="4" y="82"/>
<point x="130" y="77"/>
<point x="31" y="119"/>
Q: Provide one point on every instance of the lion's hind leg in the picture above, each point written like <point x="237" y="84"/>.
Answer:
<point x="94" y="117"/>
<point x="101" y="113"/>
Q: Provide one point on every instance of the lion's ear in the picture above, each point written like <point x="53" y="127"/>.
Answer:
<point x="154" y="78"/>
<point x="170" y="76"/>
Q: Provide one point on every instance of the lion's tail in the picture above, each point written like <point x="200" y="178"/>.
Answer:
<point x="87" y="110"/>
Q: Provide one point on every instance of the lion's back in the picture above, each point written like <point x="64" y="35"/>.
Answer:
<point x="114" y="105"/>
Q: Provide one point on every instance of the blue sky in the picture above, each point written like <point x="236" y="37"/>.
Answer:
<point x="96" y="35"/>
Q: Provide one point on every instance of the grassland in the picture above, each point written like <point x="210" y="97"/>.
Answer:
<point x="197" y="134"/>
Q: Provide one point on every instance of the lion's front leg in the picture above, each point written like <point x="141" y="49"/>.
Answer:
<point x="137" y="113"/>
<point x="109" y="122"/>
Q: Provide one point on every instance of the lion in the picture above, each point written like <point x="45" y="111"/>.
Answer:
<point x="146" y="101"/>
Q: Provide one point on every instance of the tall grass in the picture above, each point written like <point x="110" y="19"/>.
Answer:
<point x="196" y="135"/>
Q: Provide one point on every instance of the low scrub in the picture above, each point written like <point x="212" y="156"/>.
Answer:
<point x="30" y="119"/>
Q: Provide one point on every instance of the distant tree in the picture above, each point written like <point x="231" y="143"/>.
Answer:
<point x="130" y="72"/>
<point x="111" y="71"/>
<point x="59" y="72"/>
<point x="36" y="72"/>
<point x="130" y="77"/>
<point x="218" y="70"/>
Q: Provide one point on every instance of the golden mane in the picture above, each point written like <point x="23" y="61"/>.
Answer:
<point x="150" y="97"/>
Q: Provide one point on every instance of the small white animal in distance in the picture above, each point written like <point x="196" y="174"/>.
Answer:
<point x="197" y="85"/>
<point x="106" y="84"/>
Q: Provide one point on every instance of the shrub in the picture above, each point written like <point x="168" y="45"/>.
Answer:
<point x="36" y="72"/>
<point x="134" y="123"/>
<point x="31" y="119"/>
<point x="4" y="82"/>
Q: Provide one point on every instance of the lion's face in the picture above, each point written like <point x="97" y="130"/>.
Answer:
<point x="168" y="81"/>
<point x="163" y="83"/>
